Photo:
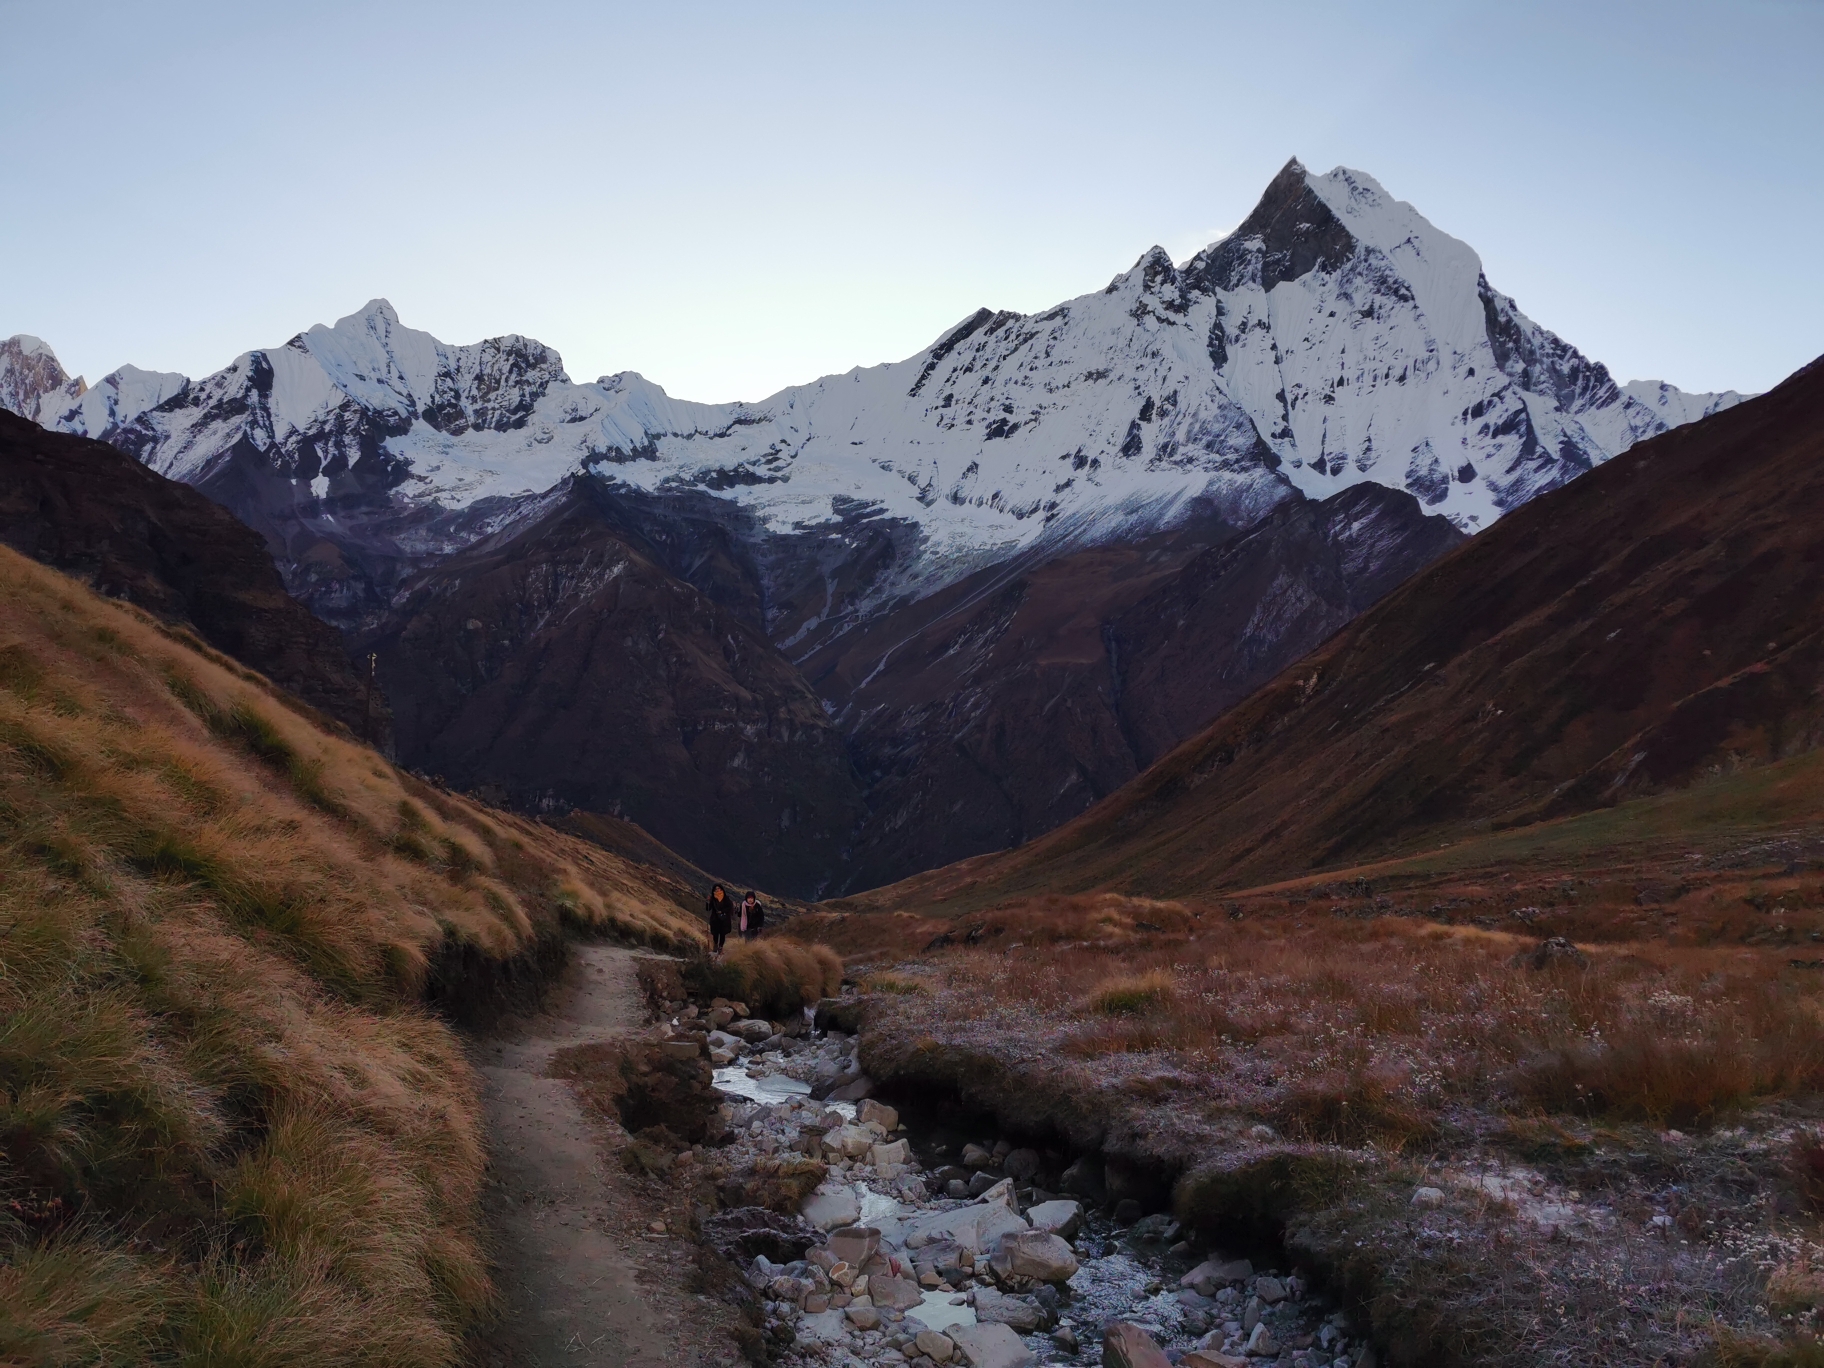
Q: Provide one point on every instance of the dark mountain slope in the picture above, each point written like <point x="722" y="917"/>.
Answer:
<point x="560" y="662"/>
<point x="990" y="713"/>
<point x="95" y="513"/>
<point x="1650" y="624"/>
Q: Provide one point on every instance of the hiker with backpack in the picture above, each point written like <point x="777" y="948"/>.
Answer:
<point x="720" y="909"/>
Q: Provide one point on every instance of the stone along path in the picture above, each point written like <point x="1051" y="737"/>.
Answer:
<point x="584" y="1282"/>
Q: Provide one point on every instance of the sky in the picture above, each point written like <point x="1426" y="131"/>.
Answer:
<point x="734" y="197"/>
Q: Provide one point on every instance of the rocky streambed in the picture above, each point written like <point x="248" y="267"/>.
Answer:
<point x="872" y="1236"/>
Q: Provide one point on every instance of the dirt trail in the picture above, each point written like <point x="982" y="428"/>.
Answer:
<point x="584" y="1283"/>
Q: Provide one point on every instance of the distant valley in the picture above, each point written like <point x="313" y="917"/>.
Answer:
<point x="913" y="613"/>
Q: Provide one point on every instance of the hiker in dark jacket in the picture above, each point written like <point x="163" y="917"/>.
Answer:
<point x="721" y="911"/>
<point x="753" y="916"/>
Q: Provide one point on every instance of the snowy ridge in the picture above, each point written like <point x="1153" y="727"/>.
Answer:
<point x="112" y="402"/>
<point x="1335" y="337"/>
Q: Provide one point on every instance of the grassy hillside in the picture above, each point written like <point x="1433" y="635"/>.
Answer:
<point x="228" y="1132"/>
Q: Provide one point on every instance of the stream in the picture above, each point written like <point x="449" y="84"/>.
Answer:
<point x="1129" y="1272"/>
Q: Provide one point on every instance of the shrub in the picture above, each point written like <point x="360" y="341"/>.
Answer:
<point x="773" y="977"/>
<point x="1644" y="1071"/>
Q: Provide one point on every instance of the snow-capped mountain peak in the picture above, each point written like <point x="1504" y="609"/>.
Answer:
<point x="385" y="366"/>
<point x="31" y="375"/>
<point x="1334" y="337"/>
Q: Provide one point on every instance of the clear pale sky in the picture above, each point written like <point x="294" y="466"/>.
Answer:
<point x="732" y="197"/>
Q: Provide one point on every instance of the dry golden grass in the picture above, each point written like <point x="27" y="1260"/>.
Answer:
<point x="1369" y="1029"/>
<point x="227" y="1134"/>
<point x="772" y="977"/>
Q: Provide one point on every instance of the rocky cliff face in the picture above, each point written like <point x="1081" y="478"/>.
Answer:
<point x="997" y="710"/>
<point x="86" y="509"/>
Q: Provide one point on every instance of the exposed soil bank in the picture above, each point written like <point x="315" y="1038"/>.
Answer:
<point x="583" y="1280"/>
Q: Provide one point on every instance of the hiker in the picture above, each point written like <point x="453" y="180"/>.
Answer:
<point x="721" y="910"/>
<point x="753" y="916"/>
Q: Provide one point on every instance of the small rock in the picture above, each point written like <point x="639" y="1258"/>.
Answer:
<point x="1211" y="1276"/>
<point x="852" y="1092"/>
<point x="682" y="1049"/>
<point x="1128" y="1346"/>
<point x="656" y="1227"/>
<point x="896" y="1294"/>
<point x="816" y="1304"/>
<point x="956" y="1187"/>
<point x="981" y="1181"/>
<point x="1270" y="1290"/>
<point x="1127" y="1211"/>
<point x="854" y="1245"/>
<point x="1066" y="1339"/>
<point x="753" y="1030"/>
<point x="1261" y="1343"/>
<point x="892" y="1152"/>
<point x="975" y="1157"/>
<point x="1020" y="1164"/>
<point x="934" y="1346"/>
<point x="879" y="1112"/>
<point x="995" y="1307"/>
<point x="829" y="1209"/>
<point x="1035" y="1254"/>
<point x="1428" y="1196"/>
<point x="863" y="1317"/>
<point x="1262" y="1133"/>
<point x="992" y="1346"/>
<point x="1060" y="1217"/>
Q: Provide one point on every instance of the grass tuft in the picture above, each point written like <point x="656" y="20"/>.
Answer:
<point x="1133" y="995"/>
